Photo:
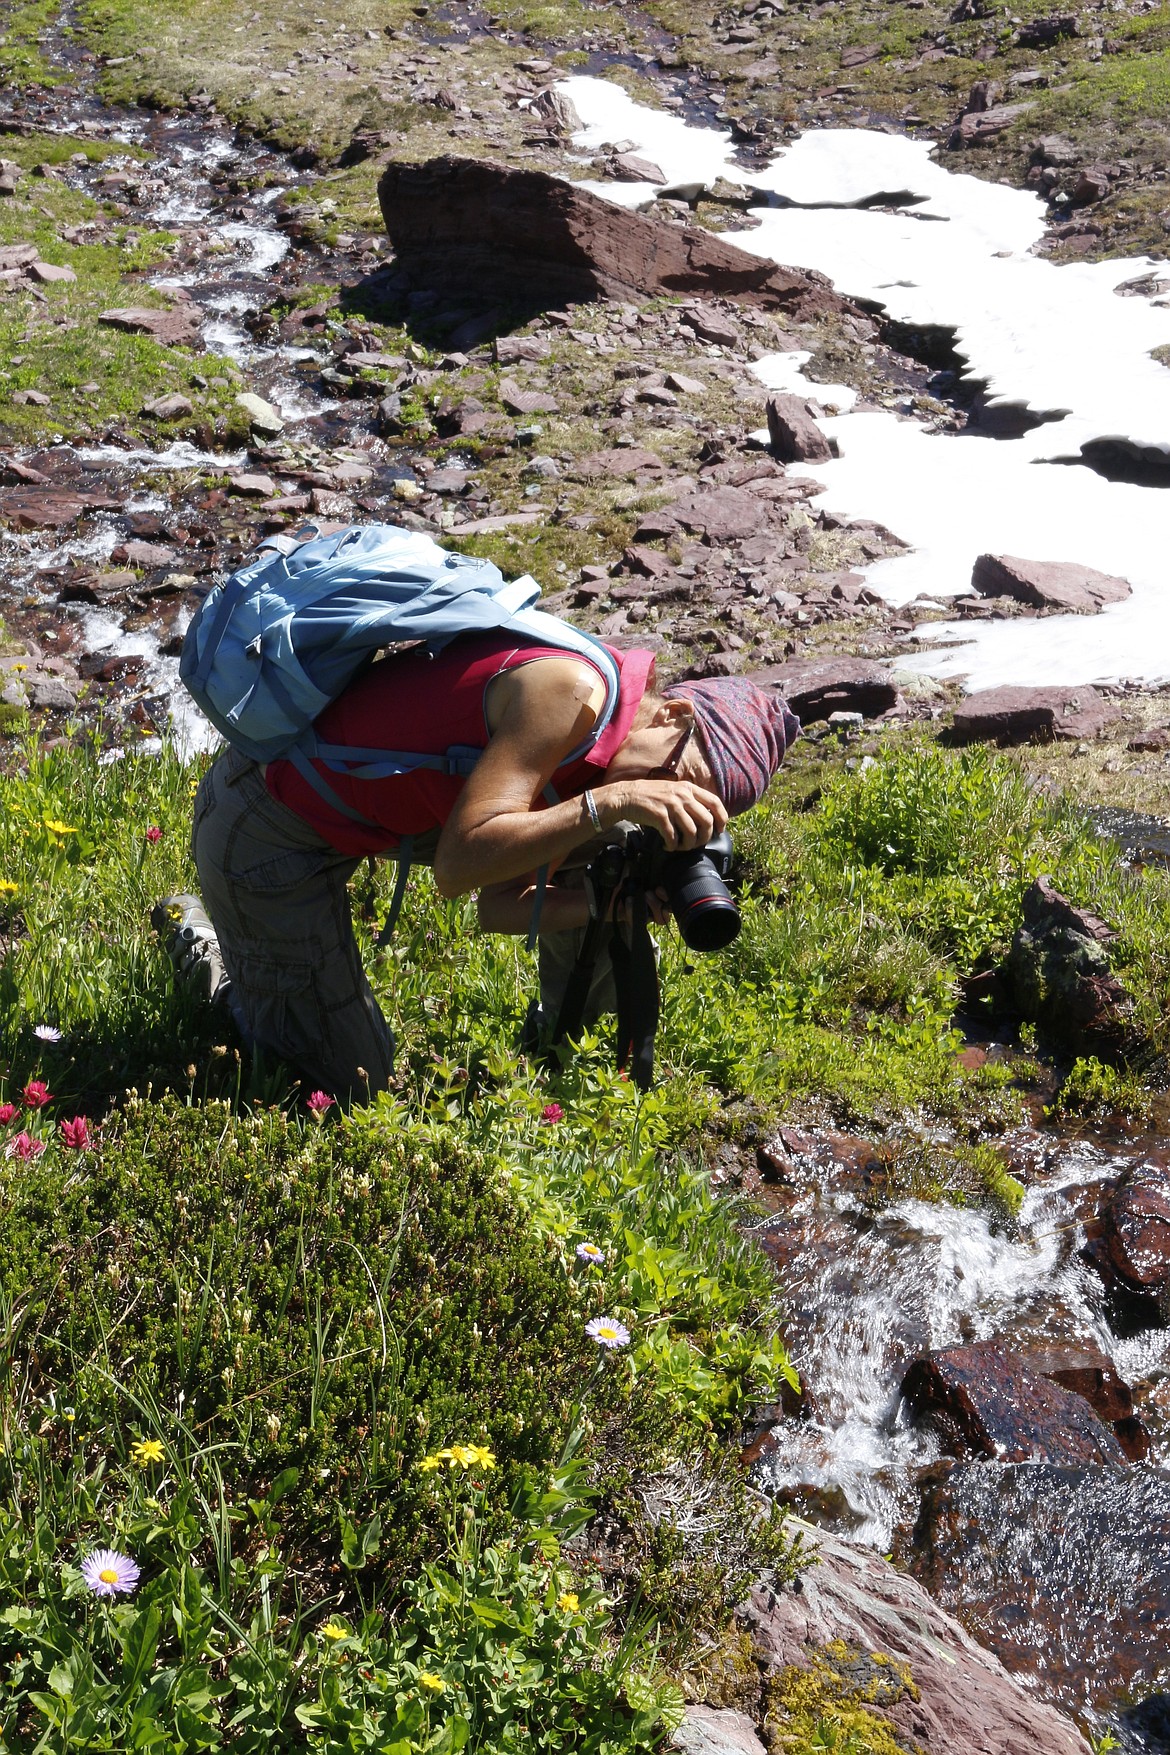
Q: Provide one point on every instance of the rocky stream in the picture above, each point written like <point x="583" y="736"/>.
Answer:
<point x="989" y="1400"/>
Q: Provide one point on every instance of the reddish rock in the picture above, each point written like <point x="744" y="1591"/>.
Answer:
<point x="793" y="433"/>
<point x="50" y="273"/>
<point x="651" y="563"/>
<point x="1058" y="585"/>
<point x="1081" y="1366"/>
<point x="711" y="325"/>
<point x="179" y="327"/>
<point x="1041" y="33"/>
<point x="1023" y="715"/>
<point x="170" y="407"/>
<point x="491" y="232"/>
<point x="255" y="487"/>
<point x="980" y="125"/>
<point x="963" y="1700"/>
<point x="629" y="168"/>
<point x="985" y="1402"/>
<point x="816" y="687"/>
<point x="1093" y="184"/>
<point x="622" y="460"/>
<point x="518" y="401"/>
<point x="1137" y="1230"/>
<point x="143" y="554"/>
<point x="49" y="510"/>
<point x="709" y="1730"/>
<point x="721" y="514"/>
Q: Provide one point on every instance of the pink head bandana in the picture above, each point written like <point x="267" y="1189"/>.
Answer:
<point x="745" y="731"/>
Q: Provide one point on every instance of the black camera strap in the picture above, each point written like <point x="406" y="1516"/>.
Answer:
<point x="635" y="971"/>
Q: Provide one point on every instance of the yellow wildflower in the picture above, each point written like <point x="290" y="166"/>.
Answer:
<point x="480" y="1455"/>
<point x="568" y="1603"/>
<point x="430" y="1463"/>
<point x="57" y="828"/>
<point x="7" y="887"/>
<point x="427" y="1679"/>
<point x="146" y="1450"/>
<point x="334" y="1630"/>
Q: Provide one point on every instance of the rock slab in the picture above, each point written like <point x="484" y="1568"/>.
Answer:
<point x="793" y="433"/>
<point x="491" y="232"/>
<point x="1023" y="715"/>
<point x="816" y="687"/>
<point x="985" y="1401"/>
<point x="1136" y="1232"/>
<point x="967" y="1703"/>
<point x="177" y="328"/>
<point x="709" y="1730"/>
<point x="1055" y="585"/>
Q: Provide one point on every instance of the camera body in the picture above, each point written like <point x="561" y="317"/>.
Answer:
<point x="702" y="905"/>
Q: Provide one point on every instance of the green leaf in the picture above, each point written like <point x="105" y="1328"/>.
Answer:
<point x="139" y="1646"/>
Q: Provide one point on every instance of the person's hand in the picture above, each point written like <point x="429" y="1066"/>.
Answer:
<point x="658" y="908"/>
<point x="685" y="815"/>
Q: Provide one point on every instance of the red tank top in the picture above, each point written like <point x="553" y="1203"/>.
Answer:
<point x="426" y="705"/>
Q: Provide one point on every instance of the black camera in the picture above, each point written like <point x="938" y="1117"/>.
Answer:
<point x="708" y="919"/>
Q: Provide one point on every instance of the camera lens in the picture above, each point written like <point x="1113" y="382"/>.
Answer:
<point x="707" y="917"/>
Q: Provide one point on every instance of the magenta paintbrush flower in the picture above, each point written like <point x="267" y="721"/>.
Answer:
<point x="22" y="1145"/>
<point x="36" y="1094"/>
<point x="552" y="1112"/>
<point x="318" y="1102"/>
<point x="110" y="1574"/>
<point x="75" y="1133"/>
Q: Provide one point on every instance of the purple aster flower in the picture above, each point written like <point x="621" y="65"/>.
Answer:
<point x="108" y="1573"/>
<point x="47" y="1033"/>
<point x="591" y="1253"/>
<point x="608" y="1332"/>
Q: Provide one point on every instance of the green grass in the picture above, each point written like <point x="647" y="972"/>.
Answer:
<point x="22" y="63"/>
<point x="54" y="343"/>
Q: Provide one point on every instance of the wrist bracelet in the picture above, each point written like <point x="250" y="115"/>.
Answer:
<point x="591" y="807"/>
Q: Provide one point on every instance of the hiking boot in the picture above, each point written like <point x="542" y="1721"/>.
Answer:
<point x="191" y="943"/>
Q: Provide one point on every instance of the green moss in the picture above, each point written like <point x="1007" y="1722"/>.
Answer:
<point x="829" y="1705"/>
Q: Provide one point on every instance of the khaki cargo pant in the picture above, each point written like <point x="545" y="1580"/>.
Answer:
<point x="276" y="894"/>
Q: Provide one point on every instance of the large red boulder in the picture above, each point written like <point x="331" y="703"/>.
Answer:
<point x="484" y="231"/>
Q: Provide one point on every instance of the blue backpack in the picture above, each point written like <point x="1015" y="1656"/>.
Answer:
<point x="268" y="650"/>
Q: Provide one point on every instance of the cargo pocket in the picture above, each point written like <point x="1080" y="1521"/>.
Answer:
<point x="279" y="992"/>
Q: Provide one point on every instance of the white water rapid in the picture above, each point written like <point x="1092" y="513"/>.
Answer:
<point x="953" y="250"/>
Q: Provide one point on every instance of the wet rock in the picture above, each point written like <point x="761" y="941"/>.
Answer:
<point x="984" y="1401"/>
<point x="13" y="468"/>
<point x="1059" y="974"/>
<point x="707" y="1730"/>
<point x="266" y="421"/>
<point x="175" y="328"/>
<point x="1056" y="585"/>
<point x="491" y="232"/>
<point x="816" y="687"/>
<point x="978" y="126"/>
<point x="1025" y="715"/>
<point x="1063" y="1572"/>
<point x="962" y="1701"/>
<point x="1136" y="1232"/>
<point x="793" y="433"/>
<point x="171" y="407"/>
<point x="1084" y="1369"/>
<point x="97" y="587"/>
<point x="46" y="510"/>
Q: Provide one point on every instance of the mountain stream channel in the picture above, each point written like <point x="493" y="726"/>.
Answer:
<point x="1062" y="1568"/>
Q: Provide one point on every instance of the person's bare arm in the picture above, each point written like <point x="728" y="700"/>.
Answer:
<point x="508" y="907"/>
<point x="494" y="834"/>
